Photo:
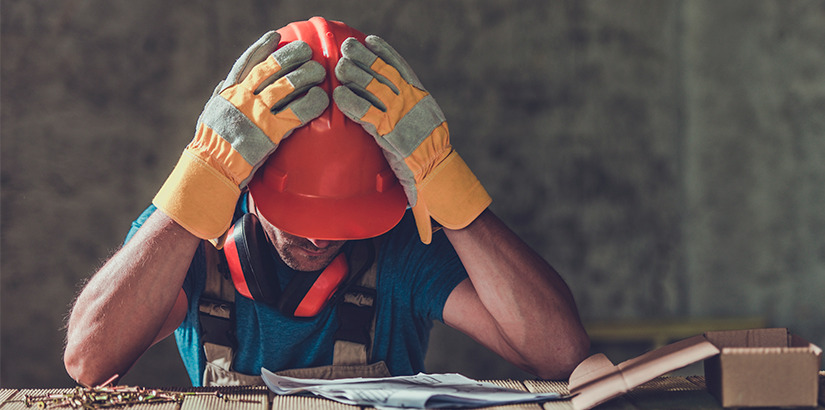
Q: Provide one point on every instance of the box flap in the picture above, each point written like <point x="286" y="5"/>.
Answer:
<point x="776" y="337"/>
<point x="798" y="341"/>
<point x="597" y="380"/>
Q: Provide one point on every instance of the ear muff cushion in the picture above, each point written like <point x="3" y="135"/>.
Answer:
<point x="250" y="263"/>
<point x="308" y="292"/>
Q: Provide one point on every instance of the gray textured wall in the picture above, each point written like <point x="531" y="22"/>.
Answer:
<point x="667" y="157"/>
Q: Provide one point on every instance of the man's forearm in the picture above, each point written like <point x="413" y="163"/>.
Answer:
<point x="533" y="309"/>
<point x="122" y="309"/>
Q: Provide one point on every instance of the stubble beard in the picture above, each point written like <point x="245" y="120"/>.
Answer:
<point x="301" y="255"/>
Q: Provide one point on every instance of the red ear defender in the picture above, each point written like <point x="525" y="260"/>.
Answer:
<point x="250" y="263"/>
<point x="253" y="270"/>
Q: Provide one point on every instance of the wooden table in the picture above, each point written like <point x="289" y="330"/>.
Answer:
<point x="673" y="392"/>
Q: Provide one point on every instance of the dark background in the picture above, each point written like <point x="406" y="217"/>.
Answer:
<point x="667" y="157"/>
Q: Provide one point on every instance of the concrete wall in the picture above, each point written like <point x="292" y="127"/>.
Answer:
<point x="667" y="157"/>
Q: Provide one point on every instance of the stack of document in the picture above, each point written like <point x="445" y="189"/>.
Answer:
<point x="419" y="391"/>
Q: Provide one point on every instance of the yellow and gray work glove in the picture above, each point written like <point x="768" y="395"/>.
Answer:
<point x="381" y="92"/>
<point x="241" y="125"/>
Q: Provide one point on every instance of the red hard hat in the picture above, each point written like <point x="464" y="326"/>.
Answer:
<point x="329" y="179"/>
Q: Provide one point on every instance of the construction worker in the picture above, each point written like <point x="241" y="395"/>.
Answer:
<point x="316" y="225"/>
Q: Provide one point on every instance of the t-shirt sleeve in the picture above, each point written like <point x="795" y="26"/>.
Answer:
<point x="137" y="223"/>
<point x="424" y="274"/>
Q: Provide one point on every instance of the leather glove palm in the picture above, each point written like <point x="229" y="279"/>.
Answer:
<point x="241" y="125"/>
<point x="382" y="93"/>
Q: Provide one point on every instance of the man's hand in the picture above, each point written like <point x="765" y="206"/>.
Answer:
<point x="241" y="125"/>
<point x="381" y="92"/>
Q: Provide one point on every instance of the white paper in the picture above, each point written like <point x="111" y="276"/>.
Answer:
<point x="419" y="391"/>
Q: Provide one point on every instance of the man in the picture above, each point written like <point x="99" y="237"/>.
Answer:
<point x="292" y="206"/>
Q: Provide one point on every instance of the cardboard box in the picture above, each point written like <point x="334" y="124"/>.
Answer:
<point x="743" y="368"/>
<point x="763" y="368"/>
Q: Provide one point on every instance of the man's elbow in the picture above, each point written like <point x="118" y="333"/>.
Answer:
<point x="74" y="364"/>
<point x="83" y="368"/>
<point x="566" y="357"/>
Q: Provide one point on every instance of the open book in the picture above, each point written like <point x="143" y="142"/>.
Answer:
<point x="597" y="379"/>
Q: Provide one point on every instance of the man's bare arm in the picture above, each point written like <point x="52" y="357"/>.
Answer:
<point x="514" y="302"/>
<point x="133" y="301"/>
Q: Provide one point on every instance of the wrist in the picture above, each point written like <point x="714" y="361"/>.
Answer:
<point x="450" y="196"/>
<point x="198" y="197"/>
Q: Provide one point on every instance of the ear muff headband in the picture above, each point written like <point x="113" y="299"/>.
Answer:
<point x="306" y="297"/>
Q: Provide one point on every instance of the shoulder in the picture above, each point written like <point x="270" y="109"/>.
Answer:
<point x="411" y="272"/>
<point x="403" y="243"/>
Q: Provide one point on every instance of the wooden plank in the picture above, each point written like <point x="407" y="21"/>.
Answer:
<point x="17" y="400"/>
<point x="668" y="383"/>
<point x="550" y="386"/>
<point x="619" y="403"/>
<point x="667" y="392"/>
<point x="516" y="385"/>
<point x="6" y="394"/>
<point x="671" y="393"/>
<point x="308" y="402"/>
<point x="699" y="381"/>
<point x="520" y="406"/>
<point x="546" y="386"/>
<point x="61" y="398"/>
<point x="508" y="384"/>
<point x="229" y="397"/>
<point x="646" y="393"/>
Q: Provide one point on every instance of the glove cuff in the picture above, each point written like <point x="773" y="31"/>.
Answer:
<point x="198" y="197"/>
<point x="451" y="195"/>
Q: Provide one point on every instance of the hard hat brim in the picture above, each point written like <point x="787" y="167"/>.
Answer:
<point x="330" y="218"/>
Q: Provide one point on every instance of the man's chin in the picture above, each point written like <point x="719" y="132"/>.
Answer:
<point x="306" y="264"/>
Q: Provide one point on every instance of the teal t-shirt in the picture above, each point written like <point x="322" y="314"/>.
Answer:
<point x="414" y="281"/>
